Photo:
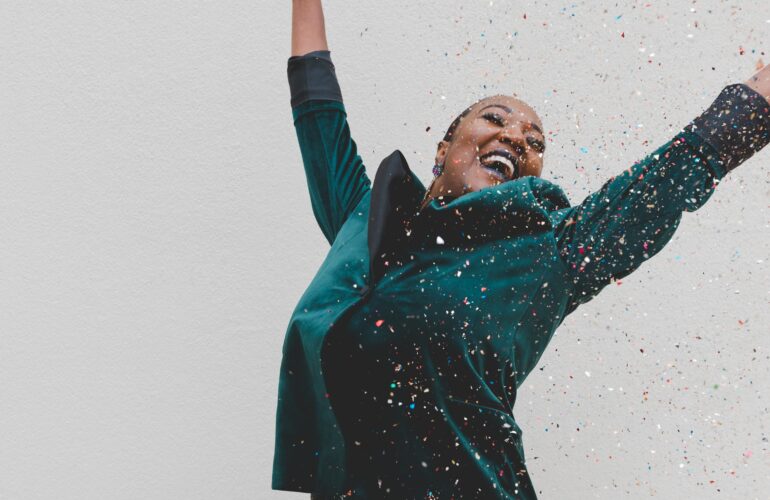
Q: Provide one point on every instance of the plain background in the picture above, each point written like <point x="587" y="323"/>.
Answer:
<point x="156" y="233"/>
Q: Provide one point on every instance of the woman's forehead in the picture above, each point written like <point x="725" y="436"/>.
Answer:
<point x="518" y="107"/>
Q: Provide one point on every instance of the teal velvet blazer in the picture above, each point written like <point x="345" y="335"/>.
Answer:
<point x="485" y="279"/>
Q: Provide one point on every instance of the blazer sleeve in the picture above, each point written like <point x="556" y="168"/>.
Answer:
<point x="635" y="213"/>
<point x="336" y="176"/>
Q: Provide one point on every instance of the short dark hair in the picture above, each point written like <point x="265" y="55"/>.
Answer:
<point x="451" y="130"/>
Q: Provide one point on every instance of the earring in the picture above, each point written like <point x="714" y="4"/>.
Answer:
<point x="437" y="169"/>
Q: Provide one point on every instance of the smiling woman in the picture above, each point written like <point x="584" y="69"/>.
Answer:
<point x="402" y="360"/>
<point x="497" y="139"/>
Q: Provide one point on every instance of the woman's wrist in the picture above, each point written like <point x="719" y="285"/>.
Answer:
<point x="736" y="125"/>
<point x="760" y="82"/>
<point x="308" y="32"/>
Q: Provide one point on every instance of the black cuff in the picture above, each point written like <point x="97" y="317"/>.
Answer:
<point x="736" y="125"/>
<point x="312" y="76"/>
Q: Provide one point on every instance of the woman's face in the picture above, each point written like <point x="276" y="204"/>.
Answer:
<point x="499" y="140"/>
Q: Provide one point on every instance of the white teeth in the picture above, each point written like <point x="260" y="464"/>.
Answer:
<point x="502" y="159"/>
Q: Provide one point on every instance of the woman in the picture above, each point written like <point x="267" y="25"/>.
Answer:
<point x="402" y="359"/>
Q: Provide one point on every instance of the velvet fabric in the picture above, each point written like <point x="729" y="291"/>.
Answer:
<point x="402" y="358"/>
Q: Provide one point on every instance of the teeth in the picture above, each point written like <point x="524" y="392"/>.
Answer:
<point x="501" y="159"/>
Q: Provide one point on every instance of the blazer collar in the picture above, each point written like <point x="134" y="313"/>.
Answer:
<point x="397" y="225"/>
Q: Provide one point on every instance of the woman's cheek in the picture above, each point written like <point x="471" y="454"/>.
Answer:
<point x="538" y="164"/>
<point x="466" y="157"/>
<point x="534" y="164"/>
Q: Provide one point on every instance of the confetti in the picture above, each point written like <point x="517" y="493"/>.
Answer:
<point x="424" y="365"/>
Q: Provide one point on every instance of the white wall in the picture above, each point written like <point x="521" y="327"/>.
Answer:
<point x="156" y="233"/>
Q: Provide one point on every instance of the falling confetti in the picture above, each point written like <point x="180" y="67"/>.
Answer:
<point x="470" y="291"/>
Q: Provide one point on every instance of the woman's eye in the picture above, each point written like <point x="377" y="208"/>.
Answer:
<point x="499" y="121"/>
<point x="538" y="145"/>
<point x="494" y="118"/>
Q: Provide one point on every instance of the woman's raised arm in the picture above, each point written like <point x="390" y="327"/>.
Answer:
<point x="308" y="32"/>
<point x="635" y="213"/>
<point x="336" y="176"/>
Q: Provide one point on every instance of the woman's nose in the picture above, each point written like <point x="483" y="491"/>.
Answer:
<point x="513" y="135"/>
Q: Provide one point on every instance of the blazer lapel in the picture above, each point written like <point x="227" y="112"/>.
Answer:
<point x="396" y="196"/>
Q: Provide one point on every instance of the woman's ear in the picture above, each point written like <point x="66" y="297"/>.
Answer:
<point x="443" y="146"/>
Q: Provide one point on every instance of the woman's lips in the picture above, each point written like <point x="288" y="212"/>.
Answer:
<point x="499" y="175"/>
<point x="501" y="166"/>
<point x="509" y="165"/>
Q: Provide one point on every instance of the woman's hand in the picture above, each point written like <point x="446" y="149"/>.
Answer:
<point x="760" y="82"/>
<point x="308" y="32"/>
